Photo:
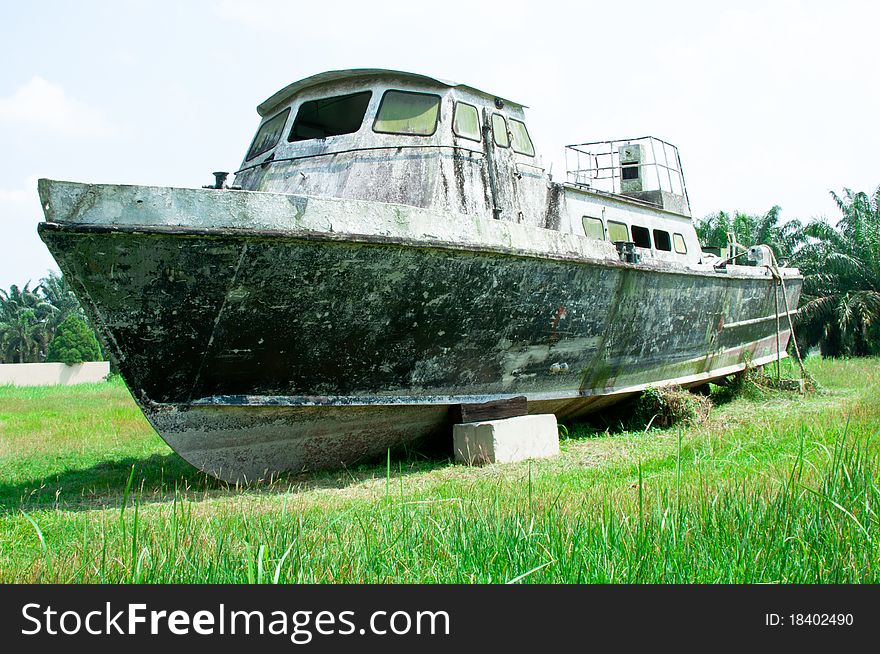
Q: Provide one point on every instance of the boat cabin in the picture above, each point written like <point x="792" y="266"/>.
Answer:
<point x="388" y="136"/>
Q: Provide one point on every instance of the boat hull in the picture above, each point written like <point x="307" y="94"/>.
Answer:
<point x="255" y="352"/>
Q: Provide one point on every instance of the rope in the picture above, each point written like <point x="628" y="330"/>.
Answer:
<point x="777" y="274"/>
<point x="778" y="349"/>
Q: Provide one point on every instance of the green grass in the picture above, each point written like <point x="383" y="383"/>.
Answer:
<point x="774" y="488"/>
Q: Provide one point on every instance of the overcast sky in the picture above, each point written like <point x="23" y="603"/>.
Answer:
<point x="769" y="102"/>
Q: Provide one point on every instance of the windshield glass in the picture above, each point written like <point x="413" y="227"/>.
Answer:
<point x="521" y="142"/>
<point x="466" y="122"/>
<point x="404" y="112"/>
<point x="268" y="135"/>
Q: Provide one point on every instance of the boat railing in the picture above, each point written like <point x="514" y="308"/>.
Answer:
<point x="630" y="167"/>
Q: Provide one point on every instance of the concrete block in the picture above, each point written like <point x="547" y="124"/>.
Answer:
<point x="506" y="440"/>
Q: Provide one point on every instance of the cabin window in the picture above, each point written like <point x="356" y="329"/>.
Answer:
<point x="466" y="123"/>
<point x="629" y="172"/>
<point x="593" y="228"/>
<point x="662" y="240"/>
<point x="499" y="131"/>
<point x="641" y="236"/>
<point x="268" y="135"/>
<point x="318" y="119"/>
<point x="617" y="231"/>
<point x="521" y="142"/>
<point x="680" y="245"/>
<point x="405" y="112"/>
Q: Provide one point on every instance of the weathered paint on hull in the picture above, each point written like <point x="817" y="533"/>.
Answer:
<point x="246" y="443"/>
<point x="249" y="442"/>
<point x="256" y="353"/>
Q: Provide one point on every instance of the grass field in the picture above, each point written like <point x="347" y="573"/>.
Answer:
<point x="774" y="488"/>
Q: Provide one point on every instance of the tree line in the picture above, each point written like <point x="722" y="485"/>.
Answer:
<point x="839" y="309"/>
<point x="45" y="323"/>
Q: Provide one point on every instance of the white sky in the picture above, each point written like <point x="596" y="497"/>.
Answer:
<point x="769" y="102"/>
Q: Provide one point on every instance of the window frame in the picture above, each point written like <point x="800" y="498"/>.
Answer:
<point x="382" y="102"/>
<point x="455" y="105"/>
<point x="647" y="233"/>
<point x="528" y="138"/>
<point x="494" y="131"/>
<point x="675" y="243"/>
<point x="629" y="172"/>
<point x="601" y="222"/>
<point x="668" y="240"/>
<point x="331" y="97"/>
<point x="625" y="227"/>
<point x="253" y="155"/>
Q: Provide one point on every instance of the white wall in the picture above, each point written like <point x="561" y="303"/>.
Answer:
<point x="53" y="374"/>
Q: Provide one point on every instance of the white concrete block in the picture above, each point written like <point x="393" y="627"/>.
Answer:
<point x="506" y="440"/>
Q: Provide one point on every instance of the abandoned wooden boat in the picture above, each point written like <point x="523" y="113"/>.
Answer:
<point x="390" y="247"/>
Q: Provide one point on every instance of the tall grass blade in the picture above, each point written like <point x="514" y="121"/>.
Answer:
<point x="276" y="577"/>
<point x="518" y="579"/>
<point x="38" y="530"/>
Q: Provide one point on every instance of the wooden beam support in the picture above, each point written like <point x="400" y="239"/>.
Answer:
<point x="496" y="410"/>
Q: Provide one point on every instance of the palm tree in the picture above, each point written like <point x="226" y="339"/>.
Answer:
<point x="57" y="292"/>
<point x="60" y="295"/>
<point x="23" y="319"/>
<point x="713" y="229"/>
<point x="840" y="306"/>
<point x="751" y="230"/>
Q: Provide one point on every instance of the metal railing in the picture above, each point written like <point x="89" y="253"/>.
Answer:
<point x="597" y="166"/>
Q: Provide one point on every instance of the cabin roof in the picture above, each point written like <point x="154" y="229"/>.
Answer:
<point x="353" y="73"/>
